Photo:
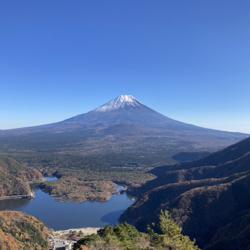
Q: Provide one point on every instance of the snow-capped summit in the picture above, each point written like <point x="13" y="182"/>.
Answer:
<point x="122" y="127"/>
<point x="121" y="101"/>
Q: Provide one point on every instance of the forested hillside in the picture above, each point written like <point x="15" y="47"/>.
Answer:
<point x="208" y="198"/>
<point x="15" y="178"/>
<point x="22" y="232"/>
<point x="164" y="236"/>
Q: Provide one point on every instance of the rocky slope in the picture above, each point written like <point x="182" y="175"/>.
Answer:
<point x="208" y="198"/>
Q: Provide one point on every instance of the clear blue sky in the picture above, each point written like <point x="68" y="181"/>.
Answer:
<point x="188" y="59"/>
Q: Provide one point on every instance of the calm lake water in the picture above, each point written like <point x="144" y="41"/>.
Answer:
<point x="64" y="215"/>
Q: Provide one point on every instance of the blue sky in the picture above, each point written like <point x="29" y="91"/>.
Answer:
<point x="187" y="59"/>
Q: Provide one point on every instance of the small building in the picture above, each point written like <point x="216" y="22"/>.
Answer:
<point x="60" y="244"/>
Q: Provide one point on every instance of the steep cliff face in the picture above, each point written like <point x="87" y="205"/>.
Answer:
<point x="15" y="178"/>
<point x="207" y="198"/>
<point x="22" y="232"/>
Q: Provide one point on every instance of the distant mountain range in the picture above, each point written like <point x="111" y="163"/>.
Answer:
<point x="209" y="198"/>
<point x="122" y="132"/>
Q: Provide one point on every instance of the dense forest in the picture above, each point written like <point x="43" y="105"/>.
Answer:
<point x="15" y="178"/>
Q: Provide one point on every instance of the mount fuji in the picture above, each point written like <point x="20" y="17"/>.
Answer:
<point x="124" y="130"/>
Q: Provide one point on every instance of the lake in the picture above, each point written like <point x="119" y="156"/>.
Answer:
<point x="60" y="215"/>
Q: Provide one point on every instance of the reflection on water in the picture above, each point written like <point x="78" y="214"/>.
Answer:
<point x="13" y="204"/>
<point x="111" y="218"/>
<point x="63" y="215"/>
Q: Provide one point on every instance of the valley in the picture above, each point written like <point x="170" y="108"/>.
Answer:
<point x="200" y="176"/>
<point x="118" y="142"/>
<point x="124" y="125"/>
<point x="58" y="214"/>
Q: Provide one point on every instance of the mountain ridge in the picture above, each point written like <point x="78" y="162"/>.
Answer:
<point x="204" y="197"/>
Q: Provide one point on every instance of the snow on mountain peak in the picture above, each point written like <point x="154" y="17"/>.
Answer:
<point x="119" y="102"/>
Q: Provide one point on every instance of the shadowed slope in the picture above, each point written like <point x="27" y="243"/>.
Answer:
<point x="206" y="197"/>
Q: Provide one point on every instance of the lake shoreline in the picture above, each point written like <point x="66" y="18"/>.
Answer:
<point x="57" y="215"/>
<point x="83" y="191"/>
<point x="18" y="197"/>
